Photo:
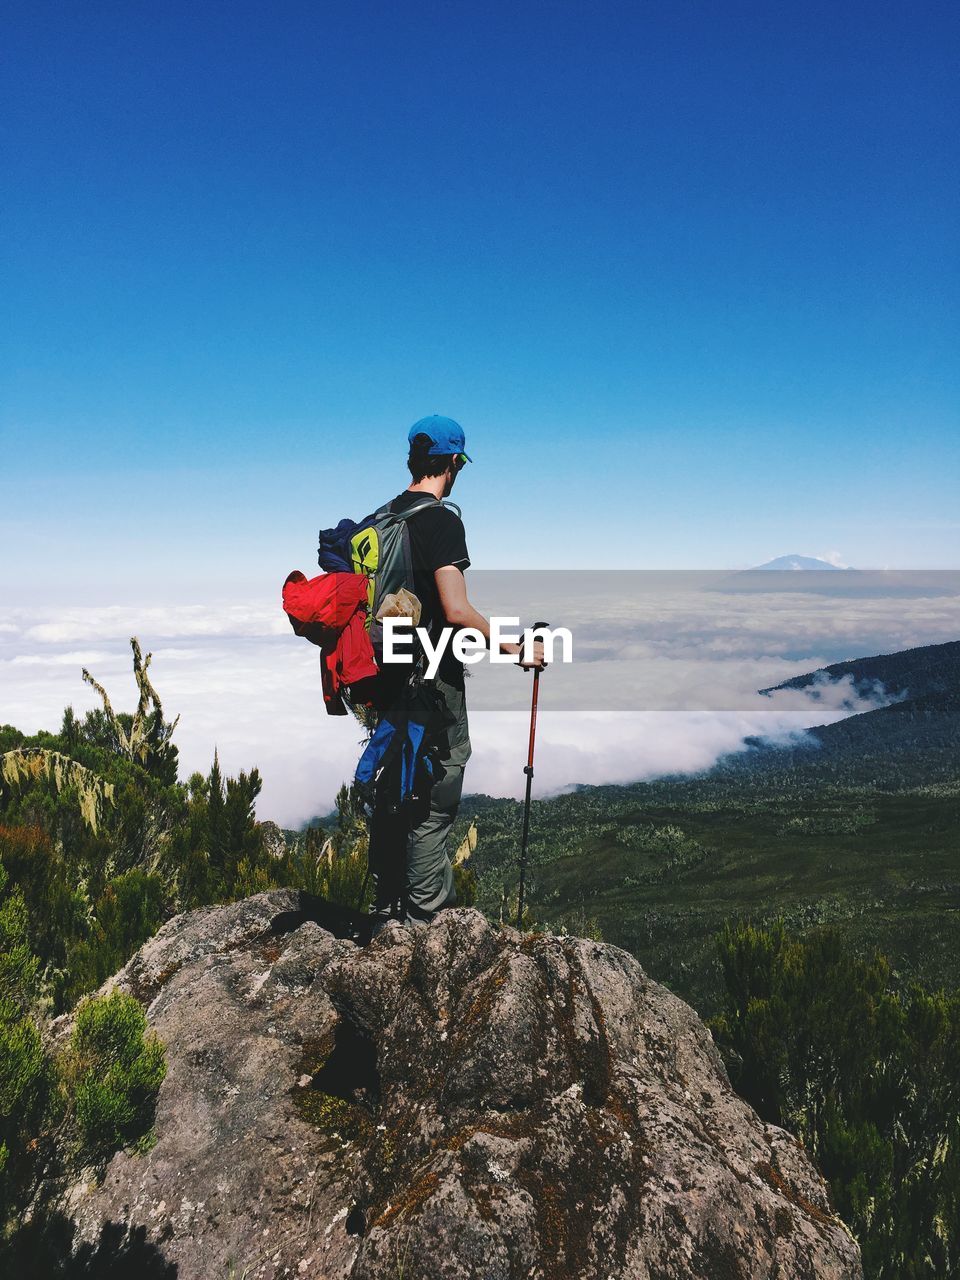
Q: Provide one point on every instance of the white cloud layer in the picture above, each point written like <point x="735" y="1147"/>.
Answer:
<point x="683" y="669"/>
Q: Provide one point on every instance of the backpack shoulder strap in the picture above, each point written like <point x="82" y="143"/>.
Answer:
<point x="413" y="511"/>
<point x="429" y="505"/>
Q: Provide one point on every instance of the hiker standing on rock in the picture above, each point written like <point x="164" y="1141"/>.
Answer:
<point x="439" y="559"/>
<point x="398" y="575"/>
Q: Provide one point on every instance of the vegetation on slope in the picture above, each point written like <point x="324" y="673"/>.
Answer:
<point x="858" y="826"/>
<point x="866" y="1075"/>
<point x="662" y="866"/>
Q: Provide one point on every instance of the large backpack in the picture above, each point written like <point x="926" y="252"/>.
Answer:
<point x="379" y="549"/>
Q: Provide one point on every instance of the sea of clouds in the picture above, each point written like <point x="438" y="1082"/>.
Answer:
<point x="665" y="676"/>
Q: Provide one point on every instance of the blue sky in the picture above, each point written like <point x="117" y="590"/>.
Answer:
<point x="686" y="272"/>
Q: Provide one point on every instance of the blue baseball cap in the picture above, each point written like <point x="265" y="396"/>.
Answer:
<point x="446" y="436"/>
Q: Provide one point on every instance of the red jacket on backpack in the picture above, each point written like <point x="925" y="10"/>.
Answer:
<point x="331" y="611"/>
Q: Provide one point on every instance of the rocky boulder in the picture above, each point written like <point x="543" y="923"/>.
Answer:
<point x="453" y="1101"/>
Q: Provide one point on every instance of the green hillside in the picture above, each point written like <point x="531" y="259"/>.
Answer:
<point x="934" y="668"/>
<point x="859" y="827"/>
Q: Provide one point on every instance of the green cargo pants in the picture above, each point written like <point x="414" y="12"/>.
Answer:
<point x="420" y="875"/>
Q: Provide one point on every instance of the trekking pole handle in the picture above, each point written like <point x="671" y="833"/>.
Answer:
<point x="537" y="626"/>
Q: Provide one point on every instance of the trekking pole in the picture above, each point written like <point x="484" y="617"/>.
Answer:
<point x="528" y="770"/>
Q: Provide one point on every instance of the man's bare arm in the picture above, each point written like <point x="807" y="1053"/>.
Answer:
<point x="459" y="612"/>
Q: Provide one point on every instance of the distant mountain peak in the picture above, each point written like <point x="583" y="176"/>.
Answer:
<point x="798" y="562"/>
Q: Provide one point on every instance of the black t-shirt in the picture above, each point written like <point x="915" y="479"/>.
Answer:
<point x="437" y="539"/>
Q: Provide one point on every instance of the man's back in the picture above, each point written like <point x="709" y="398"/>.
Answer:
<point x="437" y="539"/>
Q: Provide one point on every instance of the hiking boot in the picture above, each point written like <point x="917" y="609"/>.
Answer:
<point x="381" y="923"/>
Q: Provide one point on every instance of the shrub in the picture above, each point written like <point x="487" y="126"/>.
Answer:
<point x="334" y="866"/>
<point x="821" y="1042"/>
<point x="25" y="1073"/>
<point x="25" y="1087"/>
<point x="114" y="1072"/>
<point x="465" y="883"/>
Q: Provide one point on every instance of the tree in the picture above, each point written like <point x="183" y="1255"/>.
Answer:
<point x="216" y="822"/>
<point x="25" y="765"/>
<point x="146" y="737"/>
